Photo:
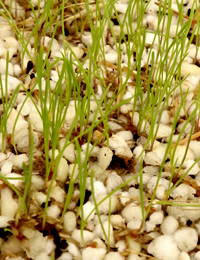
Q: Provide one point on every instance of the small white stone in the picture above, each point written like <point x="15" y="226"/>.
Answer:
<point x="152" y="159"/>
<point x="113" y="181"/>
<point x="73" y="250"/>
<point x="108" y="205"/>
<point x="62" y="171"/>
<point x="188" y="213"/>
<point x="134" y="224"/>
<point x="36" y="121"/>
<point x="169" y="225"/>
<point x="108" y="231"/>
<point x="88" y="236"/>
<point x="162" y="187"/>
<point x="180" y="153"/>
<point x="180" y="191"/>
<point x="190" y="163"/>
<point x="111" y="56"/>
<point x="117" y="221"/>
<point x="7" y="167"/>
<point x="69" y="151"/>
<point x="14" y="178"/>
<point x="65" y="256"/>
<point x="163" y="130"/>
<point x="73" y="171"/>
<point x="8" y="205"/>
<point x="190" y="69"/>
<point x="87" y="38"/>
<point x="4" y="221"/>
<point x="164" y="247"/>
<point x="126" y="135"/>
<point x="194" y="146"/>
<point x="17" y="70"/>
<point x="58" y="194"/>
<point x="124" y="152"/>
<point x="132" y="211"/>
<point x="18" y="160"/>
<point x="124" y="197"/>
<point x="120" y="245"/>
<point x="40" y="197"/>
<point x="184" y="256"/>
<point x="53" y="211"/>
<point x="132" y="244"/>
<point x="87" y="208"/>
<point x="105" y="157"/>
<point x="160" y="150"/>
<point x="157" y="217"/>
<point x="116" y="141"/>
<point x="69" y="221"/>
<point x="90" y="253"/>
<point x="3" y="67"/>
<point x="37" y="182"/>
<point x="99" y="187"/>
<point x="196" y="256"/>
<point x="149" y="226"/>
<point x="133" y="256"/>
<point x="70" y="115"/>
<point x="186" y="238"/>
<point x="114" y="256"/>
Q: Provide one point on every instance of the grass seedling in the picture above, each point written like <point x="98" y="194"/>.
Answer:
<point x="152" y="96"/>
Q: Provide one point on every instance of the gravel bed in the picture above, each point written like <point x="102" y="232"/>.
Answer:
<point x="113" y="230"/>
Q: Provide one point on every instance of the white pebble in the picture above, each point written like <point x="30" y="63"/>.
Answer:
<point x="58" y="194"/>
<point x="197" y="256"/>
<point x="124" y="152"/>
<point x="108" y="231"/>
<point x="62" y="171"/>
<point x="132" y="211"/>
<point x="90" y="253"/>
<point x="36" y="120"/>
<point x="126" y="135"/>
<point x="191" y="69"/>
<point x="69" y="221"/>
<point x="180" y="153"/>
<point x="188" y="213"/>
<point x="4" y="221"/>
<point x="186" y="238"/>
<point x="105" y="157"/>
<point x="194" y="146"/>
<point x="184" y="256"/>
<point x="114" y="256"/>
<point x="14" y="178"/>
<point x="108" y="205"/>
<point x="120" y="245"/>
<point x="157" y="217"/>
<point x="69" y="151"/>
<point x="180" y="191"/>
<point x="134" y="224"/>
<point x="194" y="168"/>
<point x="37" y="182"/>
<point x="164" y="247"/>
<point x="88" y="236"/>
<point x="87" y="208"/>
<point x="7" y="167"/>
<point x="3" y="67"/>
<point x="73" y="250"/>
<point x="117" y="220"/>
<point x="53" y="211"/>
<point x="8" y="205"/>
<point x="17" y="70"/>
<point x="113" y="181"/>
<point x="65" y="256"/>
<point x="169" y="225"/>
